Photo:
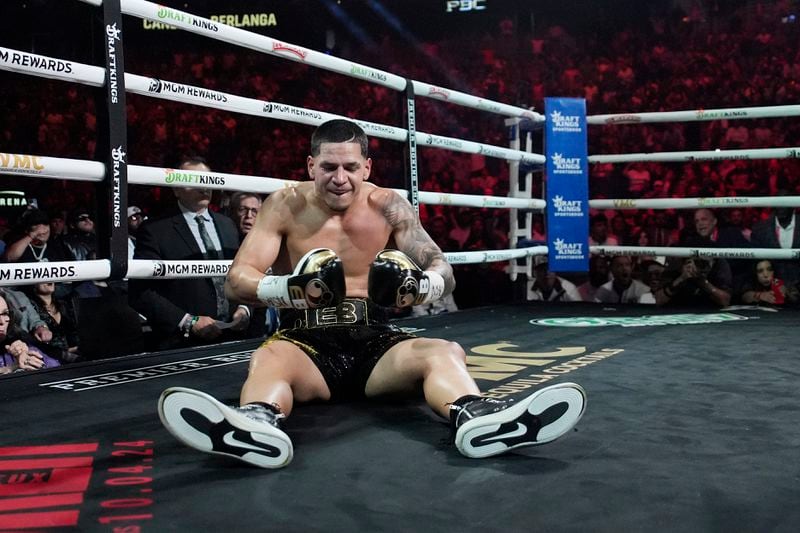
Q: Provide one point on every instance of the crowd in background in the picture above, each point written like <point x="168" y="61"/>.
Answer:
<point x="703" y="58"/>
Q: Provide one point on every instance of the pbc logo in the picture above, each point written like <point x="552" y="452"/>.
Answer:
<point x="43" y="486"/>
<point x="463" y="6"/>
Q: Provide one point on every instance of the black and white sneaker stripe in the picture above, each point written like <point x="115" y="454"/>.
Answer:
<point x="203" y="423"/>
<point x="542" y="417"/>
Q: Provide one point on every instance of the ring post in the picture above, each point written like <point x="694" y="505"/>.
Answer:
<point x="114" y="145"/>
<point x="412" y="176"/>
<point x="567" y="185"/>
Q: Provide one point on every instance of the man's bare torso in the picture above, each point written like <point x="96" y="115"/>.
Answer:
<point x="356" y="235"/>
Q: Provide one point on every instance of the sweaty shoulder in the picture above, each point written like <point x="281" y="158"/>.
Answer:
<point x="391" y="205"/>
<point x="291" y="199"/>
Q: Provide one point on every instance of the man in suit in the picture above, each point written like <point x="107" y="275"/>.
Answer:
<point x="708" y="234"/>
<point x="780" y="230"/>
<point x="184" y="312"/>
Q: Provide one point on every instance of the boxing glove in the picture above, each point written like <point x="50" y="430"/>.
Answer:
<point x="317" y="281"/>
<point x="395" y="280"/>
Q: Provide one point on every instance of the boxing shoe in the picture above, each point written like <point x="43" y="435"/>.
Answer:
<point x="486" y="426"/>
<point x="250" y="433"/>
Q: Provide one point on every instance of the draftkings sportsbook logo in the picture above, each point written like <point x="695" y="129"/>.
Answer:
<point x="567" y="208"/>
<point x="684" y="319"/>
<point x="566" y="165"/>
<point x="565" y="123"/>
<point x="568" y="250"/>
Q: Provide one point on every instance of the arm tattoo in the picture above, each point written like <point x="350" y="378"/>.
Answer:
<point x="412" y="239"/>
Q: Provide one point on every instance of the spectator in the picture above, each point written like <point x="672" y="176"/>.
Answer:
<point x="652" y="276"/>
<point x="462" y="228"/>
<point x="244" y="208"/>
<point x="549" y="287"/>
<point x="598" y="232"/>
<point x="61" y="318"/>
<point x="18" y="350"/>
<point x="599" y="275"/>
<point x="659" y="232"/>
<point x="27" y="319"/>
<point x="58" y="224"/>
<point x="33" y="243"/>
<point x="765" y="288"/>
<point x="700" y="282"/>
<point x="622" y="288"/>
<point x="135" y="219"/>
<point x="81" y="238"/>
<point x="780" y="230"/>
<point x="707" y="234"/>
<point x="184" y="311"/>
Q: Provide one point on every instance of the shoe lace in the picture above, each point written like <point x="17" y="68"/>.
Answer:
<point x="264" y="413"/>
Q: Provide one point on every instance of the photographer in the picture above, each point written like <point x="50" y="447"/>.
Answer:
<point x="700" y="282"/>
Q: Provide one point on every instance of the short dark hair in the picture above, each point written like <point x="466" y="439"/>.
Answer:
<point x="339" y="131"/>
<point x="33" y="217"/>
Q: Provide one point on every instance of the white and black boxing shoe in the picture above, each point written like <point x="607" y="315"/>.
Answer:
<point x="485" y="426"/>
<point x="249" y="433"/>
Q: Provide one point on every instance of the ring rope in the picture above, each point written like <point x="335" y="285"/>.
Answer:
<point x="696" y="115"/>
<point x="677" y="251"/>
<point x="26" y="63"/>
<point x="703" y="155"/>
<point x="692" y="203"/>
<point x="247" y="39"/>
<point x="84" y="170"/>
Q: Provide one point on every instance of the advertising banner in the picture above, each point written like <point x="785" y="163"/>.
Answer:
<point x="567" y="185"/>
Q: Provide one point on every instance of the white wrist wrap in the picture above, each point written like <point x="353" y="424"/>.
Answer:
<point x="273" y="291"/>
<point x="431" y="287"/>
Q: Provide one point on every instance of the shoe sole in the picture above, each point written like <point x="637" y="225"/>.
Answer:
<point x="229" y="433"/>
<point x="542" y="417"/>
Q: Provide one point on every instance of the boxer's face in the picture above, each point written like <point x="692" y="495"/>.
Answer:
<point x="338" y="172"/>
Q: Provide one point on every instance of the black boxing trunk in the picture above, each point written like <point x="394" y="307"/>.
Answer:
<point x="345" y="342"/>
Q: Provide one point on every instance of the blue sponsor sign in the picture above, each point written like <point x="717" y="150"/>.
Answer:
<point x="567" y="185"/>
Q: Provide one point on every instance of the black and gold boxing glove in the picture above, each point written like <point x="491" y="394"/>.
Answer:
<point x="317" y="281"/>
<point x="395" y="280"/>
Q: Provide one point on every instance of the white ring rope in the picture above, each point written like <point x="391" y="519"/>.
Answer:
<point x="38" y="166"/>
<point x="84" y="170"/>
<point x="12" y="274"/>
<point x="677" y="251"/>
<point x="254" y="41"/>
<point x="703" y="155"/>
<point x="51" y="67"/>
<point x="696" y="203"/>
<point x="28" y="273"/>
<point x="697" y="115"/>
<point x="26" y="63"/>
